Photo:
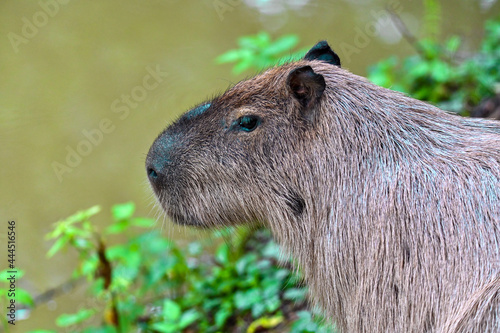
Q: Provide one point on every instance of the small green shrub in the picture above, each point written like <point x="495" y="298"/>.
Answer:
<point x="258" y="52"/>
<point x="21" y="296"/>
<point x="151" y="284"/>
<point x="440" y="76"/>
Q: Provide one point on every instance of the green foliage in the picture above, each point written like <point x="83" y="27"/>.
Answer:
<point x="65" y="320"/>
<point x="438" y="75"/>
<point x="148" y="283"/>
<point x="259" y="52"/>
<point x="308" y="324"/>
<point x="173" y="318"/>
<point x="20" y="295"/>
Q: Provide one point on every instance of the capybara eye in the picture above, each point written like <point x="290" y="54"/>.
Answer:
<point x="248" y="123"/>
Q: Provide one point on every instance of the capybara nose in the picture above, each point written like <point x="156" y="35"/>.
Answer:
<point x="155" y="172"/>
<point x="158" y="161"/>
<point x="152" y="173"/>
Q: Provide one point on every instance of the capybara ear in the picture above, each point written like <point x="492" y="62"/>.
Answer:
<point x="322" y="51"/>
<point x="307" y="87"/>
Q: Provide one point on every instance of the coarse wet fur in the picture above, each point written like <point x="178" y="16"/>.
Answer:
<point x="390" y="205"/>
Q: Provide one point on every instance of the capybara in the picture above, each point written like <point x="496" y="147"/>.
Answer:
<point x="390" y="205"/>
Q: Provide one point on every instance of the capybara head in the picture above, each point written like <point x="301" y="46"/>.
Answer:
<point x="236" y="158"/>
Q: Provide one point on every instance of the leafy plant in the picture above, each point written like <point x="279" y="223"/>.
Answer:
<point x="438" y="74"/>
<point x="173" y="318"/>
<point x="259" y="52"/>
<point x="307" y="323"/>
<point x="20" y="295"/>
<point x="149" y="283"/>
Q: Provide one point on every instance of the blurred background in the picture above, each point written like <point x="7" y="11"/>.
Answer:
<point x="86" y="86"/>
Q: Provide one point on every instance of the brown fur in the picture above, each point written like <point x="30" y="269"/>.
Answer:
<point x="390" y="205"/>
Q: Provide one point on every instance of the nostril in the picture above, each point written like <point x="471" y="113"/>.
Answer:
<point x="159" y="161"/>
<point x="152" y="174"/>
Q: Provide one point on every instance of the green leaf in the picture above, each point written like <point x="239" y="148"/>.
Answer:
<point x="229" y="56"/>
<point x="61" y="227"/>
<point x="83" y="243"/>
<point x="83" y="214"/>
<point x="259" y="52"/>
<point x="222" y="254"/>
<point x="165" y="327"/>
<point x="263" y="264"/>
<point x="188" y="318"/>
<point x="258" y="309"/>
<point x="117" y="252"/>
<point x="221" y="316"/>
<point x="42" y="331"/>
<point x="245" y="300"/>
<point x="143" y="222"/>
<point x="282" y="274"/>
<point x="242" y="66"/>
<point x="223" y="232"/>
<point x="171" y="310"/>
<point x="65" y="320"/>
<point x="244" y="262"/>
<point x="24" y="297"/>
<point x="89" y="266"/>
<point x="100" y="329"/>
<point x="453" y="44"/>
<point x="240" y="301"/>
<point x="283" y="44"/>
<point x="263" y="39"/>
<point x="272" y="250"/>
<point x="262" y="61"/>
<point x="195" y="248"/>
<point x="271" y="288"/>
<point x="273" y="304"/>
<point x="430" y="48"/>
<point x="4" y="275"/>
<point x="258" y="41"/>
<point x="440" y="71"/>
<point x="421" y="69"/>
<point x="305" y="323"/>
<point x="226" y="286"/>
<point x="123" y="211"/>
<point x="118" y="227"/>
<point x="57" y="246"/>
<point x="295" y="294"/>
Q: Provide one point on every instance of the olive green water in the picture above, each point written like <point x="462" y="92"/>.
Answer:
<point x="86" y="86"/>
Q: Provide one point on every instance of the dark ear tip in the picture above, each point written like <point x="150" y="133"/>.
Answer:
<point x="322" y="44"/>
<point x="322" y="51"/>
